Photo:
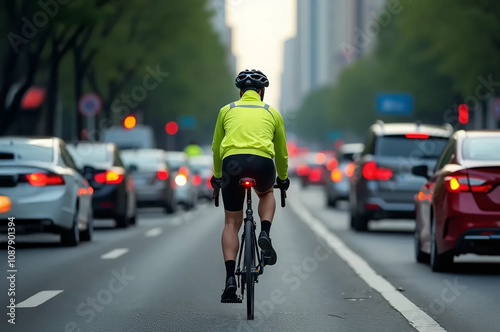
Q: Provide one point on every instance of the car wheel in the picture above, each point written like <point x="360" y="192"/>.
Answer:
<point x="420" y="256"/>
<point x="71" y="237"/>
<point x="121" y="221"/>
<point x="439" y="262"/>
<point x="359" y="223"/>
<point x="331" y="202"/>
<point x="170" y="207"/>
<point x="88" y="234"/>
<point x="133" y="220"/>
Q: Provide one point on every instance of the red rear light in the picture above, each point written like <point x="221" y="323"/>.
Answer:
<point x="197" y="180"/>
<point x="42" y="179"/>
<point x="315" y="174"/>
<point x="336" y="175"/>
<point x="209" y="184"/>
<point x="184" y="171"/>
<point x="303" y="170"/>
<point x="108" y="177"/>
<point x="320" y="158"/>
<point x="458" y="183"/>
<point x="417" y="135"/>
<point x="162" y="175"/>
<point x="349" y="169"/>
<point x="332" y="164"/>
<point x="372" y="172"/>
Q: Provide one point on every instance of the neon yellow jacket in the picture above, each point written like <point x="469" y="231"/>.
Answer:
<point x="249" y="126"/>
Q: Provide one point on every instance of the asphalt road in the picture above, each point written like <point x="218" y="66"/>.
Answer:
<point x="167" y="274"/>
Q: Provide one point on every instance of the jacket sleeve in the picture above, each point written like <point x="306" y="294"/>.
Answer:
<point x="280" y="150"/>
<point x="217" y="140"/>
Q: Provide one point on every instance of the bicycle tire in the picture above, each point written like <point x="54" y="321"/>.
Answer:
<point x="249" y="265"/>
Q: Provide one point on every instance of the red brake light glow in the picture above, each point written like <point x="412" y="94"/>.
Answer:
<point x="108" y="177"/>
<point x="303" y="170"/>
<point x="42" y="179"/>
<point x="349" y="169"/>
<point x="315" y="174"/>
<point x="162" y="175"/>
<point x="372" y="172"/>
<point x="197" y="180"/>
<point x="458" y="183"/>
<point x="332" y="164"/>
<point x="417" y="135"/>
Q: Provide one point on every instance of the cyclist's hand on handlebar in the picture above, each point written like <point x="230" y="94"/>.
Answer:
<point x="283" y="184"/>
<point x="216" y="182"/>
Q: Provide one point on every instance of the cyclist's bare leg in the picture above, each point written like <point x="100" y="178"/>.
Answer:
<point x="267" y="205"/>
<point x="230" y="241"/>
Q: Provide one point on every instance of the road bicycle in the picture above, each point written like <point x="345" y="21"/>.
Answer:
<point x="252" y="266"/>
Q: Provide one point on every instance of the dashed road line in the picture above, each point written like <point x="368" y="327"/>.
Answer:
<point x="415" y="316"/>
<point x="38" y="298"/>
<point x="115" y="253"/>
<point x="154" y="232"/>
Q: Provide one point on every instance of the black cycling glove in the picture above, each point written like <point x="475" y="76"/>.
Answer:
<point x="216" y="182"/>
<point x="283" y="184"/>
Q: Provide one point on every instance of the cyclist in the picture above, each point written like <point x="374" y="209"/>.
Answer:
<point x="247" y="136"/>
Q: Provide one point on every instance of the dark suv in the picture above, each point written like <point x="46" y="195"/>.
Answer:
<point x="383" y="185"/>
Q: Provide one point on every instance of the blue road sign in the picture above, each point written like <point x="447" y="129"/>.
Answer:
<point x="394" y="103"/>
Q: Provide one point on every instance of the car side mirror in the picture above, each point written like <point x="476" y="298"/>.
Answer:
<point x="132" y="167"/>
<point x="356" y="156"/>
<point x="421" y="170"/>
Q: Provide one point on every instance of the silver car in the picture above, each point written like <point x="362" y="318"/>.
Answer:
<point x="45" y="190"/>
<point x="185" y="190"/>
<point x="202" y="169"/>
<point x="152" y="177"/>
<point x="337" y="179"/>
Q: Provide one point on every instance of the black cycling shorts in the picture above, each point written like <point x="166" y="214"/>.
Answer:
<point x="239" y="166"/>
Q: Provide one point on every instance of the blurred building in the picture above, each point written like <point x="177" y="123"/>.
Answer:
<point x="218" y="7"/>
<point x="330" y="34"/>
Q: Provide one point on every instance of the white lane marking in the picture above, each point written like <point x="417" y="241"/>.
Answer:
<point x="38" y="299"/>
<point x="415" y="316"/>
<point x="115" y="253"/>
<point x="154" y="232"/>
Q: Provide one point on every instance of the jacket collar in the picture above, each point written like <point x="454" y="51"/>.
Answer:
<point x="250" y="95"/>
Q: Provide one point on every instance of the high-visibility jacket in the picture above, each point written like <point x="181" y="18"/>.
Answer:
<point x="249" y="126"/>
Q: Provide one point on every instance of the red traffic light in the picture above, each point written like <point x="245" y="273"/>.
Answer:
<point x="129" y="122"/>
<point x="171" y="128"/>
<point x="463" y="113"/>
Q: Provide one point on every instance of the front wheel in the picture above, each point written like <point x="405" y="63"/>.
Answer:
<point x="249" y="264"/>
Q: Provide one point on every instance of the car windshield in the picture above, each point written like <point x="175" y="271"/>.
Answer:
<point x="89" y="154"/>
<point x="400" y="146"/>
<point x="481" y="148"/>
<point x="175" y="161"/>
<point x="25" y="152"/>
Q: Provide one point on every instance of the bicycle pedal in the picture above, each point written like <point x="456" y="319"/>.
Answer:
<point x="234" y="300"/>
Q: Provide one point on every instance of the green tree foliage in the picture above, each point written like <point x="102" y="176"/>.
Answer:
<point x="436" y="50"/>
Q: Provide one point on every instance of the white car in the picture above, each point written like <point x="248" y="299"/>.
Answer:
<point x="44" y="189"/>
<point x="185" y="190"/>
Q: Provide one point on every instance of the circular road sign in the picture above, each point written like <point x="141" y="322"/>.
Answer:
<point x="90" y="104"/>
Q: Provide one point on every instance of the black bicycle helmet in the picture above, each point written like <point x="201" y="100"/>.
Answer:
<point x="251" y="79"/>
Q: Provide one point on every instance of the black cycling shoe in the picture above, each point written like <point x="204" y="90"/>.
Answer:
<point x="229" y="293"/>
<point x="270" y="256"/>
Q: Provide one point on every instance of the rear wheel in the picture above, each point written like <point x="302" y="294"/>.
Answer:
<point x="358" y="222"/>
<point x="439" y="262"/>
<point x="420" y="256"/>
<point x="249" y="264"/>
<point x="88" y="234"/>
<point x="71" y="237"/>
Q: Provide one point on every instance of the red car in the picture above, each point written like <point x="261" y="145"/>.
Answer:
<point x="458" y="209"/>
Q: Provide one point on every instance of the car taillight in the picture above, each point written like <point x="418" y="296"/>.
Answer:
<point x="336" y="175"/>
<point x="303" y="170"/>
<point x="108" y="177"/>
<point x="332" y="164"/>
<point x="315" y="174"/>
<point x="197" y="180"/>
<point x="349" y="169"/>
<point x="5" y="204"/>
<point x="209" y="184"/>
<point x="372" y="172"/>
<point x="43" y="179"/>
<point x="457" y="183"/>
<point x="162" y="175"/>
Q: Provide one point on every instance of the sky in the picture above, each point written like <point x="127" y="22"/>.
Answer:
<point x="260" y="28"/>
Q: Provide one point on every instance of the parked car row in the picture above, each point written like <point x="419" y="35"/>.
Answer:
<point x="49" y="186"/>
